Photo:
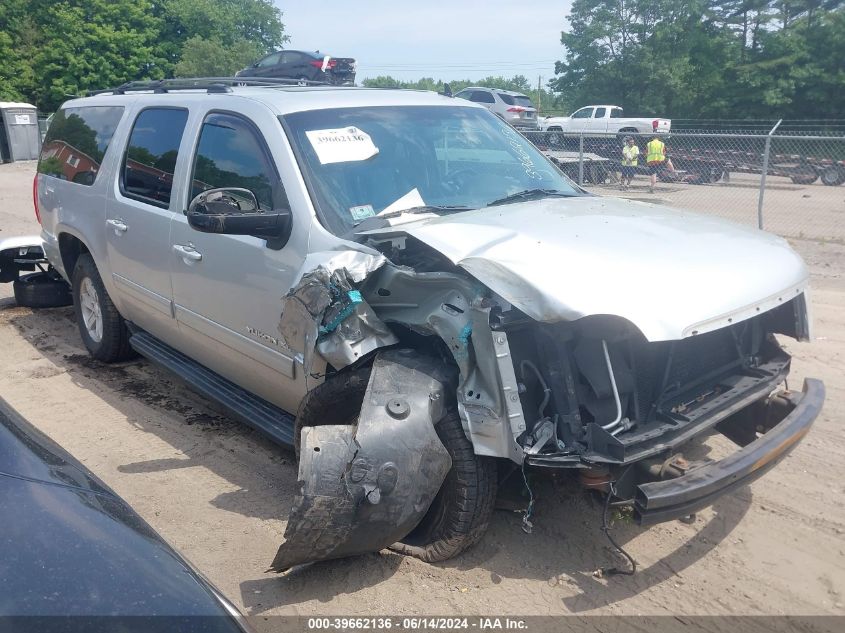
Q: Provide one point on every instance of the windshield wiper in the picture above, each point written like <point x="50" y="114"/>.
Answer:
<point x="422" y="209"/>
<point x="530" y="194"/>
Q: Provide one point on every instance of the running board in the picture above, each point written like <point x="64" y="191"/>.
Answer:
<point x="241" y="404"/>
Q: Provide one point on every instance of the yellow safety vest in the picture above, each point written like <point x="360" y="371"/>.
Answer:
<point x="654" y="151"/>
<point x="629" y="155"/>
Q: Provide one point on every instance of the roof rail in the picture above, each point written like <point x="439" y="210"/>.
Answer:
<point x="211" y="84"/>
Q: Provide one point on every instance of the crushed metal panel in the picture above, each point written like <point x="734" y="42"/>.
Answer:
<point x="358" y="334"/>
<point x="317" y="308"/>
<point x="365" y="487"/>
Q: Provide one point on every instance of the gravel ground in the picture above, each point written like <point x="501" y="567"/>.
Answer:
<point x="220" y="493"/>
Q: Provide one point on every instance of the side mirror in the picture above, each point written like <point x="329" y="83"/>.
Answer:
<point x="235" y="211"/>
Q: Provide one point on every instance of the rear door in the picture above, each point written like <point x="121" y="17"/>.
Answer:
<point x="138" y="215"/>
<point x="598" y="123"/>
<point x="484" y="98"/>
<point x="296" y="65"/>
<point x="227" y="289"/>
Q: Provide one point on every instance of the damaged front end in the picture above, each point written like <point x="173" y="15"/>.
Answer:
<point x="592" y="395"/>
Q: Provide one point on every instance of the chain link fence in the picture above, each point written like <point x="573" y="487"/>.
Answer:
<point x="790" y="184"/>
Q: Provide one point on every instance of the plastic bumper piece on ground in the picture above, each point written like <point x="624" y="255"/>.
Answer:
<point x="660" y="501"/>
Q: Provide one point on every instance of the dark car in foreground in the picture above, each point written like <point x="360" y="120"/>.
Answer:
<point x="69" y="546"/>
<point x="303" y="66"/>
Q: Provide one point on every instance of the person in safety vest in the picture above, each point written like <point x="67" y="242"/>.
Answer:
<point x="630" y="154"/>
<point x="655" y="158"/>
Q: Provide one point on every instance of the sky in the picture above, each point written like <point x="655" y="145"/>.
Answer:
<point x="443" y="39"/>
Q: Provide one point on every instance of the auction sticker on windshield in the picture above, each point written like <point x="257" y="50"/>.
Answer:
<point x="341" y="145"/>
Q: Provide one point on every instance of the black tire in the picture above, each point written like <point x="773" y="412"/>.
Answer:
<point x="460" y="513"/>
<point x="833" y="176"/>
<point x="42" y="290"/>
<point x="113" y="345"/>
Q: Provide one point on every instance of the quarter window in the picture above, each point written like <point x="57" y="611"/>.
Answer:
<point x="77" y="141"/>
<point x="150" y="158"/>
<point x="231" y="153"/>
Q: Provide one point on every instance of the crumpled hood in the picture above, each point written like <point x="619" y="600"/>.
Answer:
<point x="671" y="273"/>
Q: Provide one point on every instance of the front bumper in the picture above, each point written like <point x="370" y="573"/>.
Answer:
<point x="660" y="501"/>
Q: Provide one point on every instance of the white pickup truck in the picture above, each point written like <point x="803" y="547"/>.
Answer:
<point x="600" y="120"/>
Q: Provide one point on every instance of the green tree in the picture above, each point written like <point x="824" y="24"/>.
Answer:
<point x="211" y="58"/>
<point x="89" y="44"/>
<point x="18" y="40"/>
<point x="226" y="22"/>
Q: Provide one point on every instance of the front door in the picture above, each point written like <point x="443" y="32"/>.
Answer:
<point x="138" y="219"/>
<point x="227" y="289"/>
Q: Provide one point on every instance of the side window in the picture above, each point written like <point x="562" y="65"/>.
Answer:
<point x="464" y="94"/>
<point x="150" y="158"/>
<point x="508" y="99"/>
<point x="291" y="57"/>
<point x="583" y="113"/>
<point x="232" y="153"/>
<point x="483" y="97"/>
<point x="600" y="112"/>
<point x="270" y="60"/>
<point x="616" y="113"/>
<point x="77" y="141"/>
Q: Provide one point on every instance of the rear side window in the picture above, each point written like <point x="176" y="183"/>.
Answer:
<point x="77" y="141"/>
<point x="232" y="153"/>
<point x="482" y="97"/>
<point x="508" y="99"/>
<point x="150" y="159"/>
<point x="270" y="60"/>
<point x="616" y="113"/>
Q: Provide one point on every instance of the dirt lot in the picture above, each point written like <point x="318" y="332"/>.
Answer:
<point x="800" y="211"/>
<point x="220" y="493"/>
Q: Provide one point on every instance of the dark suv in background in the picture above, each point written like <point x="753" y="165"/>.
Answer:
<point x="305" y="66"/>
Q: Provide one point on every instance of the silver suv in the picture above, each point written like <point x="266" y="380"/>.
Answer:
<point x="405" y="289"/>
<point x="513" y="107"/>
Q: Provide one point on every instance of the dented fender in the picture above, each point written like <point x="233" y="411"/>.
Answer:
<point x="366" y="486"/>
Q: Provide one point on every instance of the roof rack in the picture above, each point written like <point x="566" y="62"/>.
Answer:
<point x="211" y="84"/>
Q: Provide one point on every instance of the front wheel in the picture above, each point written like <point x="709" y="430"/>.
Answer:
<point x="103" y="330"/>
<point x="460" y="513"/>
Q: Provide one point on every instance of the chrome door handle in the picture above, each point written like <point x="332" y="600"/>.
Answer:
<point x="187" y="252"/>
<point x="119" y="226"/>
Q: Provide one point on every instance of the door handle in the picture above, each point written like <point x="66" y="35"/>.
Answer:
<point x="187" y="252"/>
<point x="118" y="225"/>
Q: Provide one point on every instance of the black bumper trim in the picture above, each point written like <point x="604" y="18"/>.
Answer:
<point x="660" y="501"/>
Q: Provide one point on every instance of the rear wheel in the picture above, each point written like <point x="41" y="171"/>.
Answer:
<point x="833" y="176"/>
<point x="460" y="513"/>
<point x="103" y="330"/>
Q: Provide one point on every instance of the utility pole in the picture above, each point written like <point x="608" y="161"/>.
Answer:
<point x="539" y="79"/>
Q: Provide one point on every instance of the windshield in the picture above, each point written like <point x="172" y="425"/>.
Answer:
<point x="364" y="161"/>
